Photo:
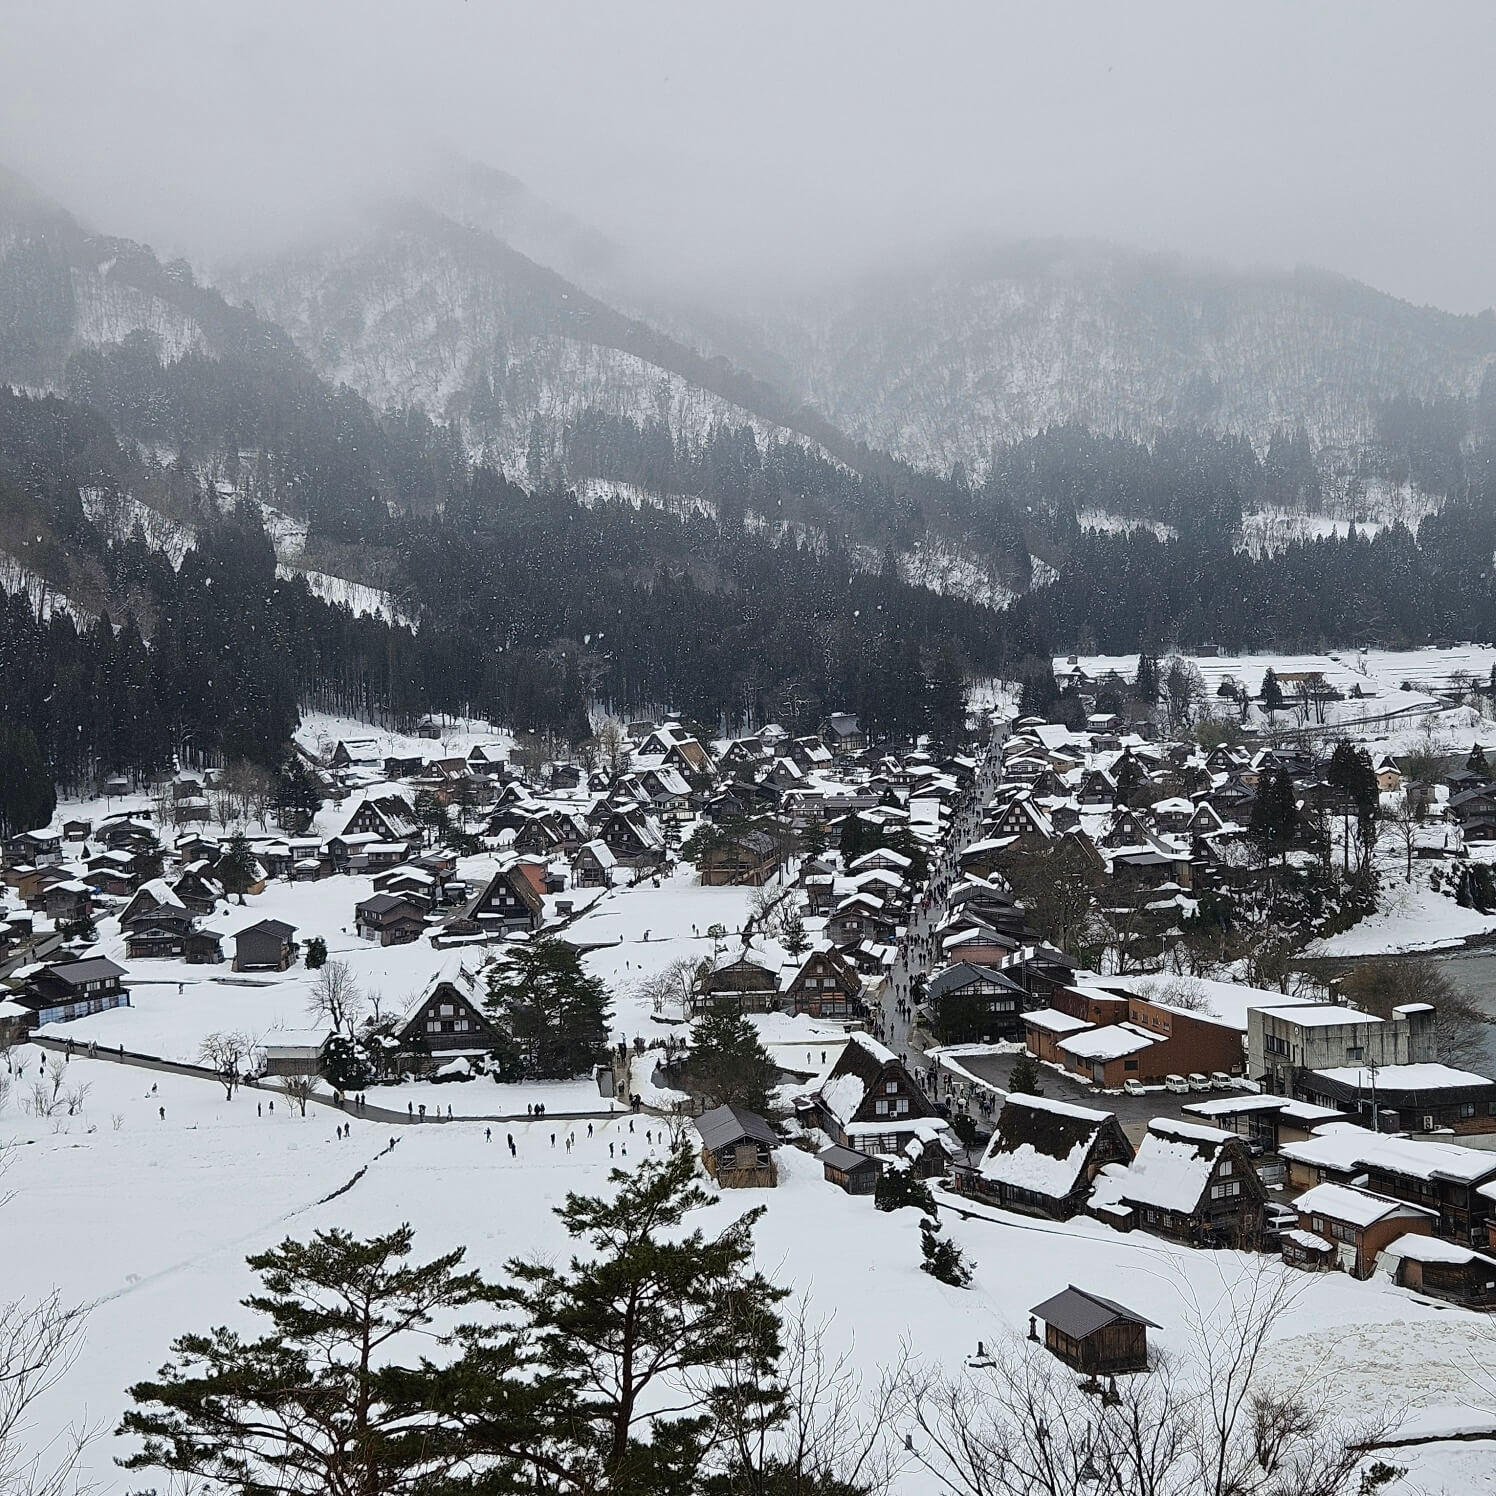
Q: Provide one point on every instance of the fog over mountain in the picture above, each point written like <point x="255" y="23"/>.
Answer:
<point x="748" y="148"/>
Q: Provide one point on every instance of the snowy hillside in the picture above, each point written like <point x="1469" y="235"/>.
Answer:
<point x="938" y="368"/>
<point x="454" y="322"/>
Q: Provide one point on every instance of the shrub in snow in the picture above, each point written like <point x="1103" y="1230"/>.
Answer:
<point x="897" y="1188"/>
<point x="943" y="1259"/>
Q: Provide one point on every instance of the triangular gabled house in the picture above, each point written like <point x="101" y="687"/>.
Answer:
<point x="447" y="1018"/>
<point x="510" y="900"/>
<point x="1043" y="1156"/>
<point x="1192" y="1183"/>
<point x="870" y="1102"/>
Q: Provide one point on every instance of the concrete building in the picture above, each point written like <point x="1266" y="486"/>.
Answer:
<point x="1281" y="1042"/>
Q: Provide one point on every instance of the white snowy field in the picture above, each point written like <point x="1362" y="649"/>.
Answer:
<point x="147" y="1221"/>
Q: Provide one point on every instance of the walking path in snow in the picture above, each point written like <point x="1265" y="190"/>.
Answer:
<point x="369" y="1113"/>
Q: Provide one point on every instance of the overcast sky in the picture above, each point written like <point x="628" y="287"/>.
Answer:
<point x="1360" y="137"/>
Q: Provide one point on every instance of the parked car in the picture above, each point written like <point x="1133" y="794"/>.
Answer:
<point x="1176" y="1083"/>
<point x="1220" y="1081"/>
<point x="1134" y="1088"/>
<point x="1199" y="1082"/>
<point x="1276" y="1219"/>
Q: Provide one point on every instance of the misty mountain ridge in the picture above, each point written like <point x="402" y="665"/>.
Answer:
<point x="470" y="305"/>
<point x="934" y="364"/>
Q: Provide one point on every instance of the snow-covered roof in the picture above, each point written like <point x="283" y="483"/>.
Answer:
<point x="1173" y="1165"/>
<point x="1041" y="1145"/>
<point x="1420" y="1248"/>
<point x="1430" y="1077"/>
<point x="1307" y="1240"/>
<point x="1345" y="1146"/>
<point x="1231" y="1106"/>
<point x="1052" y="1021"/>
<point x="1109" y="1042"/>
<point x="1318" y="1015"/>
<point x="1343" y="1202"/>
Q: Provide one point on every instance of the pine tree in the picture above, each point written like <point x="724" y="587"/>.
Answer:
<point x="729" y="1067"/>
<point x="898" y="1188"/>
<point x="1272" y="692"/>
<point x="28" y="797"/>
<point x="553" y="1015"/>
<point x="1146" y="684"/>
<point x="316" y="953"/>
<point x="236" y="869"/>
<point x="1024" y="1078"/>
<point x="317" y="1403"/>
<point x="792" y="934"/>
<point x="946" y="706"/>
<point x="651" y="1326"/>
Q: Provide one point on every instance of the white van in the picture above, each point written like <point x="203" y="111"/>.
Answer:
<point x="1176" y="1083"/>
<point x="1199" y="1082"/>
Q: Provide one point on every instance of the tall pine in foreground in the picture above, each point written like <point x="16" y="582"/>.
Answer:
<point x="553" y="1015"/>
<point x="652" y="1332"/>
<point x="316" y="1402"/>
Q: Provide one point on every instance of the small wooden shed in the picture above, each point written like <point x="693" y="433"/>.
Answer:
<point x="856" y="1173"/>
<point x="737" y="1148"/>
<point x="1094" y="1334"/>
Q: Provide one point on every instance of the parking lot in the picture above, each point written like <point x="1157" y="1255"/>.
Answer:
<point x="1133" y="1112"/>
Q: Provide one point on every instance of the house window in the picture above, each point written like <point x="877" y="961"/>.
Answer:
<point x="892" y="1088"/>
<point x="1228" y="1191"/>
<point x="1467" y="1109"/>
<point x="446" y="1010"/>
<point x="1355" y="1051"/>
<point x="1225" y="1169"/>
<point x="1129" y="1064"/>
<point x="880" y="1108"/>
<point x="901" y="1108"/>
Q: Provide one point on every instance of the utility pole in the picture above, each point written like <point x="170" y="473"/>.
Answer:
<point x="1376" y="1121"/>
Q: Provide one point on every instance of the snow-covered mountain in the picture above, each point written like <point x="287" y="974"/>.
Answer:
<point x="422" y="310"/>
<point x="938" y="366"/>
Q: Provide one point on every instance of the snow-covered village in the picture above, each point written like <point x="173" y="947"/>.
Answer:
<point x="1046" y="1056"/>
<point x="747" y="751"/>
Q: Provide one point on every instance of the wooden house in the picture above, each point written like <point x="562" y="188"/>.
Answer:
<point x="269" y="945"/>
<point x="1188" y="1182"/>
<point x="743" y="981"/>
<point x="1043" y="1156"/>
<point x="748" y="857"/>
<point x="390" y="919"/>
<point x="1094" y="1335"/>
<point x="65" y="990"/>
<point x="1358" y="1223"/>
<point x="1442" y="1270"/>
<point x="737" y="1148"/>
<point x="447" y="1018"/>
<point x="634" y="838"/>
<point x="389" y="817"/>
<point x="856" y="1173"/>
<point x="511" y="900"/>
<point x="972" y="1002"/>
<point x="870" y="1102"/>
<point x="592" y="865"/>
<point x="824" y="984"/>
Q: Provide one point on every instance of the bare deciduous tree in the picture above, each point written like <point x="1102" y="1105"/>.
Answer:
<point x="226" y="1053"/>
<point x="668" y="990"/>
<point x="336" y="997"/>
<point x="299" y="1089"/>
<point x="823" y="1432"/>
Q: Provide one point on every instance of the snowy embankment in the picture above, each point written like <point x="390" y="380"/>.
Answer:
<point x="186" y="1196"/>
